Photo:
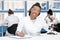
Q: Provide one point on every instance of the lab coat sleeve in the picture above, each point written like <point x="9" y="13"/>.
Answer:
<point x="5" y="21"/>
<point x="20" y="26"/>
<point x="44" y="25"/>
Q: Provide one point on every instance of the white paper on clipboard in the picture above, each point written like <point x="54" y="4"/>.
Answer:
<point x="18" y="37"/>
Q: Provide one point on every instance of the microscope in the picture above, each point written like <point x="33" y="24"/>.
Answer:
<point x="51" y="30"/>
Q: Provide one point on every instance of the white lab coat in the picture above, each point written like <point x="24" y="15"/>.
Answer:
<point x="49" y="23"/>
<point x="9" y="21"/>
<point x="55" y="21"/>
<point x="30" y="27"/>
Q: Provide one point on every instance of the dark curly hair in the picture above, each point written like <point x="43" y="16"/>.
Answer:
<point x="10" y="11"/>
<point x="50" y="12"/>
<point x="36" y="4"/>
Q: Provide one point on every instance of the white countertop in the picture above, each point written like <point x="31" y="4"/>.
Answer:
<point x="40" y="37"/>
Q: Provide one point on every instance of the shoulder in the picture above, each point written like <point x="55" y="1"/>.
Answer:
<point x="15" y="17"/>
<point x="24" y="18"/>
<point x="7" y="17"/>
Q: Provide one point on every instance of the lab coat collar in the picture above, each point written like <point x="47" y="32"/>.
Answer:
<point x="11" y="14"/>
<point x="30" y="18"/>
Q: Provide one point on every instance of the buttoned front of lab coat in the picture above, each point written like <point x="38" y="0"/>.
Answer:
<point x="29" y="26"/>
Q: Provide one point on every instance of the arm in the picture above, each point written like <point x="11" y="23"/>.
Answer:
<point x="5" y="21"/>
<point x="45" y="19"/>
<point x="21" y="34"/>
<point x="19" y="31"/>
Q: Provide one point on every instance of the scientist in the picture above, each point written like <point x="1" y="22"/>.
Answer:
<point x="50" y="19"/>
<point x="30" y="25"/>
<point x="12" y="23"/>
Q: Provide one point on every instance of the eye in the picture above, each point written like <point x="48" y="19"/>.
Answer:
<point x="34" y="9"/>
<point x="38" y="10"/>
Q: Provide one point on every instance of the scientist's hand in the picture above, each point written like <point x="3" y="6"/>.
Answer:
<point x="21" y="34"/>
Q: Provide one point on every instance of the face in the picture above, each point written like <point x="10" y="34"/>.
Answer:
<point x="35" y="12"/>
<point x="8" y="14"/>
<point x="48" y="15"/>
